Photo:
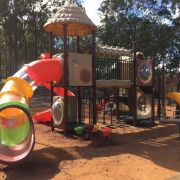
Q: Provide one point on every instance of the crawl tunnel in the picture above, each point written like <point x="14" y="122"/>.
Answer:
<point x="17" y="135"/>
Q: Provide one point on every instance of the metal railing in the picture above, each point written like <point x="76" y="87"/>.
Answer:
<point x="119" y="69"/>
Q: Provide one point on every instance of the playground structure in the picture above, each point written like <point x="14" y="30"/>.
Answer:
<point x="169" y="84"/>
<point x="117" y="76"/>
<point x="17" y="129"/>
<point x="138" y="90"/>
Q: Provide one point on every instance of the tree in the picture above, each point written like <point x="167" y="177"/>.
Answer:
<point x="150" y="23"/>
<point x="22" y="32"/>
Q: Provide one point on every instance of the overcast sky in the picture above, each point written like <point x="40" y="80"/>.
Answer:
<point x="91" y="7"/>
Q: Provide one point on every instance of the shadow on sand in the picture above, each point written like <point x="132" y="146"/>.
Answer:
<point x="160" y="145"/>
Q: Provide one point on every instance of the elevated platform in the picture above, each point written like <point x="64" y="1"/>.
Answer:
<point x="113" y="83"/>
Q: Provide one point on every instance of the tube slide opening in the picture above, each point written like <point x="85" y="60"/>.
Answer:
<point x="17" y="136"/>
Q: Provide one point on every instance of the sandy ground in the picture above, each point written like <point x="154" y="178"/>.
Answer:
<point x="130" y="153"/>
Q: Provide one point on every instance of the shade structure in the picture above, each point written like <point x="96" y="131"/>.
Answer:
<point x="75" y="17"/>
<point x="115" y="52"/>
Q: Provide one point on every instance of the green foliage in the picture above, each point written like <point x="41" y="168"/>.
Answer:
<point x="154" y="24"/>
<point x="22" y="36"/>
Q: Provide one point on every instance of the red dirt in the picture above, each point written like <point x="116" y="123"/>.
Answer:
<point x="129" y="153"/>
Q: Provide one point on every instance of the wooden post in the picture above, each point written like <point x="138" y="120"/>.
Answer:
<point x="117" y="106"/>
<point x="51" y="83"/>
<point x="65" y="123"/>
<point x="178" y="89"/>
<point x="134" y="88"/>
<point x="159" y="96"/>
<point x="50" y="44"/>
<point x="163" y="92"/>
<point x="117" y="91"/>
<point x="79" y="88"/>
<point x="153" y="80"/>
<point x="52" y="95"/>
<point x="94" y="75"/>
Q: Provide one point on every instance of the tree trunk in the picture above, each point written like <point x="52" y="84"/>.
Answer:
<point x="15" y="49"/>
<point x="0" y="63"/>
<point x="36" y="42"/>
<point x="25" y="48"/>
<point x="6" y="58"/>
<point x="15" y="38"/>
<point x="10" y="63"/>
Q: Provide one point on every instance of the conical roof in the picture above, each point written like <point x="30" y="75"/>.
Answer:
<point x="75" y="17"/>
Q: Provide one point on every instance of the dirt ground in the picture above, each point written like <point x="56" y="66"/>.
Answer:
<point x="131" y="153"/>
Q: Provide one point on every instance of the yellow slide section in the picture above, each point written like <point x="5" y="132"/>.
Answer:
<point x="175" y="96"/>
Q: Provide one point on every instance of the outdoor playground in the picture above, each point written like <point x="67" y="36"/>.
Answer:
<point x="108" y="113"/>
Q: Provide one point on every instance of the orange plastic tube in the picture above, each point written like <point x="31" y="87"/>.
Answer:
<point x="46" y="70"/>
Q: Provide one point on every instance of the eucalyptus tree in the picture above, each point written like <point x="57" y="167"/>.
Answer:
<point x="21" y="23"/>
<point x="151" y="23"/>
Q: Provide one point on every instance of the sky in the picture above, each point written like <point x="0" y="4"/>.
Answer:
<point x="91" y="7"/>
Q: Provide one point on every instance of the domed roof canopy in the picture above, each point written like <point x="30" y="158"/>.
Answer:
<point x="75" y="17"/>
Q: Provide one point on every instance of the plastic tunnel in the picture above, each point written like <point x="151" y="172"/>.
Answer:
<point x="17" y="136"/>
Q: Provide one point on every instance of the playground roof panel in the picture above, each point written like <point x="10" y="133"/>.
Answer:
<point x="113" y="51"/>
<point x="79" y="24"/>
